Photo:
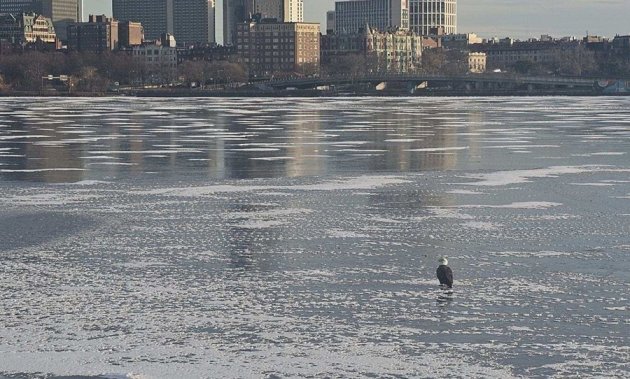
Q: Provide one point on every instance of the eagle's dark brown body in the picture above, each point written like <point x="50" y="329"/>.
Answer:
<point x="445" y="275"/>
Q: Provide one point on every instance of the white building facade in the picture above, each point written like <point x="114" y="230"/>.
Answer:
<point x="293" y="10"/>
<point x="426" y="16"/>
<point x="351" y="16"/>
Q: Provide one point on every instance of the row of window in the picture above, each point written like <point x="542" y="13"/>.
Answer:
<point x="433" y="20"/>
<point x="516" y="58"/>
<point x="276" y="53"/>
<point x="267" y="60"/>
<point x="432" y="6"/>
<point x="261" y="62"/>
<point x="425" y="29"/>
<point x="165" y="52"/>
<point x="268" y="34"/>
<point x="266" y="40"/>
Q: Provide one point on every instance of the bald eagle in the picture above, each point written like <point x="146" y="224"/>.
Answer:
<point x="444" y="273"/>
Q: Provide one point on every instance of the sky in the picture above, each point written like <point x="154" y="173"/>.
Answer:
<point x="494" y="18"/>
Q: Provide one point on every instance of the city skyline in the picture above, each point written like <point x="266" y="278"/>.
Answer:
<point x="490" y="18"/>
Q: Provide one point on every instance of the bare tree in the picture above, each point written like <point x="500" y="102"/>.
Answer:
<point x="90" y="80"/>
<point x="575" y="61"/>
<point x="346" y="65"/>
<point x="226" y="72"/>
<point x="445" y="62"/>
<point x="433" y="60"/>
<point x="193" y="72"/>
<point x="615" y="66"/>
<point x="34" y="69"/>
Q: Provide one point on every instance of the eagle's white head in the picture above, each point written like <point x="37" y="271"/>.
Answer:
<point x="443" y="261"/>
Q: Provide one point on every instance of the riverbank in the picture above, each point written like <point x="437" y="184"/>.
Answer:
<point x="349" y="92"/>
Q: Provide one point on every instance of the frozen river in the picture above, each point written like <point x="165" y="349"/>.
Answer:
<point x="283" y="238"/>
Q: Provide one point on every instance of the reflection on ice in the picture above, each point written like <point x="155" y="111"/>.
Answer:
<point x="297" y="237"/>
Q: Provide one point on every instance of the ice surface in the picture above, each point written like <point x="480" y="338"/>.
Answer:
<point x="434" y="149"/>
<point x="464" y="192"/>
<point x="273" y="158"/>
<point x="503" y="178"/>
<point x="518" y="205"/>
<point x="208" y="252"/>
<point x="488" y="226"/>
<point x="33" y="170"/>
<point x="593" y="184"/>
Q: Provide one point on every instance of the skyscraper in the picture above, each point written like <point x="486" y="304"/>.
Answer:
<point x="193" y="21"/>
<point x="293" y="10"/>
<point x="425" y="15"/>
<point x="190" y="21"/>
<point x="282" y="10"/>
<point x="270" y="9"/>
<point x="153" y="14"/>
<point x="16" y="6"/>
<point x="330" y="22"/>
<point x="235" y="12"/>
<point x="57" y="10"/>
<point x="60" y="10"/>
<point x="350" y="16"/>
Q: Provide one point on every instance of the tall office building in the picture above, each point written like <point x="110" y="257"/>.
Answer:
<point x="57" y="10"/>
<point x="281" y="10"/>
<point x="293" y="10"/>
<point x="193" y="21"/>
<point x="16" y="6"/>
<point x="330" y="22"/>
<point x="60" y="10"/>
<point x="212" y="21"/>
<point x="152" y="14"/>
<point x="234" y="13"/>
<point x="270" y="9"/>
<point x="426" y="16"/>
<point x="190" y="21"/>
<point x="350" y="16"/>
